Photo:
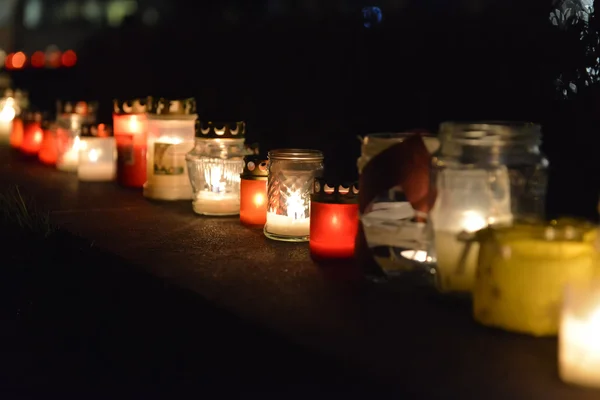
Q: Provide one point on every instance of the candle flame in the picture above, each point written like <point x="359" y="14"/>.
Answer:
<point x="8" y="111"/>
<point x="38" y="136"/>
<point x="259" y="199"/>
<point x="295" y="206"/>
<point x="93" y="155"/>
<point x="214" y="177"/>
<point x="134" y="124"/>
<point x="473" y="221"/>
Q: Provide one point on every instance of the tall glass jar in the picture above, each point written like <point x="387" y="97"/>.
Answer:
<point x="485" y="173"/>
<point x="290" y="184"/>
<point x="69" y="120"/>
<point x="215" y="164"/>
<point x="170" y="137"/>
<point x="130" y="128"/>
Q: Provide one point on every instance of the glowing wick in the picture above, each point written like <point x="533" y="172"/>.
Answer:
<point x="473" y="221"/>
<point x="93" y="155"/>
<point x="259" y="199"/>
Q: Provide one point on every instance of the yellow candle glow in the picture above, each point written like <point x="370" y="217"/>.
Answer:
<point x="579" y="340"/>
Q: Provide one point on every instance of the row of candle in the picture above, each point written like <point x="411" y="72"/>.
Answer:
<point x="162" y="148"/>
<point x="285" y="194"/>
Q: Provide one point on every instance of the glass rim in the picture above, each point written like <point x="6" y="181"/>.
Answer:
<point x="490" y="132"/>
<point x="296" y="155"/>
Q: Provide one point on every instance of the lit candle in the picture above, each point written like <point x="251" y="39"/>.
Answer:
<point x="579" y="339"/>
<point x="32" y="135"/>
<point x="97" y="161"/>
<point x="16" y="133"/>
<point x="217" y="200"/>
<point x="253" y="191"/>
<point x="294" y="223"/>
<point x="7" y="115"/>
<point x="48" y="150"/>
<point x="69" y="158"/>
<point x="130" y="127"/>
<point x="333" y="221"/>
<point x="170" y="136"/>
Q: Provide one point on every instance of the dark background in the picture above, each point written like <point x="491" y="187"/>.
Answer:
<point x="319" y="78"/>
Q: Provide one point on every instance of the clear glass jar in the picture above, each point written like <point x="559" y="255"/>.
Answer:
<point x="68" y="129"/>
<point x="485" y="173"/>
<point x="130" y="128"/>
<point x="523" y="269"/>
<point x="393" y="230"/>
<point x="97" y="158"/>
<point x="170" y="137"/>
<point x="290" y="184"/>
<point x="215" y="164"/>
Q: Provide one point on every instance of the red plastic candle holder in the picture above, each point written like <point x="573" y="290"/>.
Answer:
<point x="130" y="128"/>
<point x="32" y="134"/>
<point x="333" y="221"/>
<point x="16" y="133"/>
<point x="253" y="191"/>
<point x="48" y="151"/>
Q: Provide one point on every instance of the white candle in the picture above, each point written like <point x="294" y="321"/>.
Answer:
<point x="294" y="224"/>
<point x="97" y="172"/>
<point x="579" y="337"/>
<point x="69" y="161"/>
<point x="171" y="181"/>
<point x="210" y="203"/>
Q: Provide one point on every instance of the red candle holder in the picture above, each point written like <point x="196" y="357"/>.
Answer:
<point x="333" y="221"/>
<point x="48" y="151"/>
<point x="16" y="133"/>
<point x="32" y="134"/>
<point x="253" y="191"/>
<point x="130" y="127"/>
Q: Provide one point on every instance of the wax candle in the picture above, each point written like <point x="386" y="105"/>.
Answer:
<point x="68" y="152"/>
<point x="290" y="184"/>
<point x="97" y="159"/>
<point x="32" y="134"/>
<point x="130" y="128"/>
<point x="579" y="339"/>
<point x="253" y="191"/>
<point x="16" y="133"/>
<point x="333" y="221"/>
<point x="48" y="151"/>
<point x="522" y="272"/>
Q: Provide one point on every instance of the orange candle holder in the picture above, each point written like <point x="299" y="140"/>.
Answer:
<point x="33" y="134"/>
<point x="48" y="151"/>
<point x="334" y="219"/>
<point x="16" y="133"/>
<point x="130" y="126"/>
<point x="253" y="191"/>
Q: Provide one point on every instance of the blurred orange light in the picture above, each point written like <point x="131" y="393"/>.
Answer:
<point x="38" y="59"/>
<point x="69" y="58"/>
<point x="54" y="59"/>
<point x="18" y="60"/>
<point x="8" y="61"/>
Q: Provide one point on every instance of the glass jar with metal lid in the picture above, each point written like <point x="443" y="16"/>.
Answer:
<point x="215" y="164"/>
<point x="485" y="173"/>
<point x="290" y="184"/>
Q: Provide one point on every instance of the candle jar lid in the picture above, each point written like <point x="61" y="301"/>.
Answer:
<point x="131" y="106"/>
<point x="220" y="130"/>
<point x="79" y="107"/>
<point x="95" y="130"/>
<point x="255" y="168"/>
<point x="334" y="192"/>
<point x="163" y="107"/>
<point x="295" y="155"/>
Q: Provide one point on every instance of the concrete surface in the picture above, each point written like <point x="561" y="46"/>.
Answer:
<point x="429" y="348"/>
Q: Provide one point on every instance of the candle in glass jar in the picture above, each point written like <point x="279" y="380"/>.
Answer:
<point x="97" y="159"/>
<point x="333" y="221"/>
<point x="253" y="191"/>
<point x="130" y="127"/>
<point x="579" y="337"/>
<point x="217" y="200"/>
<point x="294" y="223"/>
<point x="69" y="159"/>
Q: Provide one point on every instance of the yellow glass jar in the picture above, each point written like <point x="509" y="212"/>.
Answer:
<point x="523" y="269"/>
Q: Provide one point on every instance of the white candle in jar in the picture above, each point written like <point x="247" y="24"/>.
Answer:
<point x="215" y="200"/>
<point x="456" y="259"/>
<point x="294" y="223"/>
<point x="170" y="181"/>
<point x="579" y="336"/>
<point x="69" y="160"/>
<point x="93" y="169"/>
